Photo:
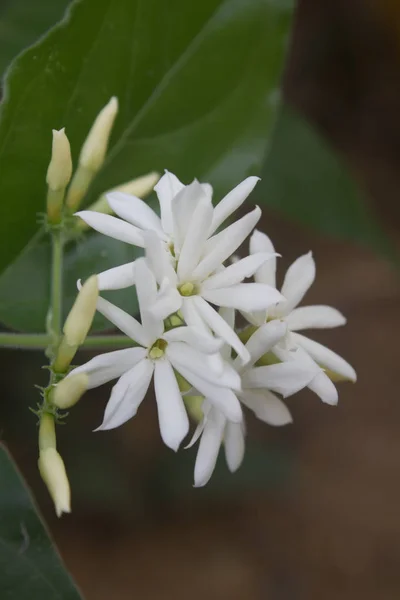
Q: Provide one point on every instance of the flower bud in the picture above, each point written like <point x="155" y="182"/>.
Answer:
<point x="81" y="315"/>
<point x="60" y="167"/>
<point x="47" y="432"/>
<point x="95" y="146"/>
<point x="52" y="470"/>
<point x="67" y="393"/>
<point x="141" y="187"/>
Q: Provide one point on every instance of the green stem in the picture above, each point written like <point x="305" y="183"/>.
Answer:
<point x="56" y="284"/>
<point x="28" y="341"/>
<point x="107" y="341"/>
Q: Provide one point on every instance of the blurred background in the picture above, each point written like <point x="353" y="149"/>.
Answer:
<point x="314" y="510"/>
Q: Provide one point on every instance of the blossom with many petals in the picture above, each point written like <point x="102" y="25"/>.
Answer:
<point x="159" y="352"/>
<point x="295" y="346"/>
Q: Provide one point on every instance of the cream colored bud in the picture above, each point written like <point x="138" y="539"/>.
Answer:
<point x="52" y="470"/>
<point x="141" y="186"/>
<point x="95" y="146"/>
<point x="60" y="167"/>
<point x="67" y="393"/>
<point x="47" y="432"/>
<point x="81" y="315"/>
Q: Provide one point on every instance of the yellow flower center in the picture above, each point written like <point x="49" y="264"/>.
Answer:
<point x="187" y="289"/>
<point x="158" y="349"/>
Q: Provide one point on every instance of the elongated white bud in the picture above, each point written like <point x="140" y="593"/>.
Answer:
<point x="60" y="167"/>
<point x="95" y="146"/>
<point x="52" y="470"/>
<point x="81" y="315"/>
<point x="67" y="393"/>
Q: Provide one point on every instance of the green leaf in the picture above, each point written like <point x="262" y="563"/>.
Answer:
<point x="22" y="22"/>
<point x="29" y="564"/>
<point x="197" y="85"/>
<point x="304" y="179"/>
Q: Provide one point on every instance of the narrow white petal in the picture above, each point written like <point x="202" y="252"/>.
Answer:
<point x="198" y="338"/>
<point x="325" y="357"/>
<point x="113" y="227"/>
<point x="208" y="189"/>
<point x="234" y="445"/>
<point x="196" y="235"/>
<point x="222" y="245"/>
<point x="135" y="211"/>
<point x="232" y="201"/>
<point x="228" y="314"/>
<point x="298" y="279"/>
<point x="172" y="416"/>
<point x="110" y="365"/>
<point x="167" y="302"/>
<point x="191" y="315"/>
<point x="117" y="278"/>
<point x="183" y="208"/>
<point x="315" y="317"/>
<point x="220" y="327"/>
<point x="324" y="388"/>
<point x="266" y="406"/>
<point x="246" y="267"/>
<point x="127" y="394"/>
<point x="285" y="378"/>
<point x="263" y="339"/>
<point x="146" y="289"/>
<point x="205" y="409"/>
<point x="166" y="189"/>
<point x="221" y="397"/>
<point x="260" y="242"/>
<point x="158" y="258"/>
<point x="209" y="446"/>
<point x="125" y="323"/>
<point x="244" y="296"/>
<point x="184" y="356"/>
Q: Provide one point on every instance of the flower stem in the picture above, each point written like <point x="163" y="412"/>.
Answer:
<point x="56" y="285"/>
<point x="28" y="341"/>
<point x="107" y="341"/>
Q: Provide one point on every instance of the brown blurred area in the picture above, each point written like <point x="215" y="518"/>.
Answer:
<point x="330" y="529"/>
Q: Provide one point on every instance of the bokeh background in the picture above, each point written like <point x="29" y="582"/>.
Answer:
<point x="314" y="511"/>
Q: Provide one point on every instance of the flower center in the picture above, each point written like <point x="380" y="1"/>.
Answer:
<point x="158" y="349"/>
<point x="187" y="289"/>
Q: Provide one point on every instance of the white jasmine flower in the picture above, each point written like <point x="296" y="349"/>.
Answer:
<point x="186" y="258"/>
<point x="257" y="393"/>
<point x="298" y="279"/>
<point x="159" y="352"/>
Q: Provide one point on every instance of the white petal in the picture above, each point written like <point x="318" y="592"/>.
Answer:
<point x="184" y="356"/>
<point x="244" y="296"/>
<point x="117" y="278"/>
<point x="183" y="207"/>
<point x="298" y="279"/>
<point x="198" y="338"/>
<point x="127" y="394"/>
<point x="196" y="235"/>
<point x="205" y="409"/>
<point x="166" y="189"/>
<point x="234" y="445"/>
<point x="315" y="317"/>
<point x="285" y="378"/>
<point x="110" y="365"/>
<point x="113" y="227"/>
<point x="167" y="302"/>
<point x="221" y="397"/>
<point x="325" y="357"/>
<point x="191" y="315"/>
<point x="232" y="201"/>
<point x="246" y="267"/>
<point x="266" y="406"/>
<point x="158" y="258"/>
<point x="209" y="446"/>
<point x="172" y="416"/>
<point x="263" y="339"/>
<point x="220" y="327"/>
<point x="228" y="314"/>
<point x="146" y="289"/>
<point x="260" y="242"/>
<point x="222" y="245"/>
<point x="135" y="211"/>
<point x="324" y="388"/>
<point x="125" y="323"/>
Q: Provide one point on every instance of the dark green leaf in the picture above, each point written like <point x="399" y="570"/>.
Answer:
<point x="305" y="180"/>
<point x="29" y="564"/>
<point x="197" y="85"/>
<point x="22" y="22"/>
